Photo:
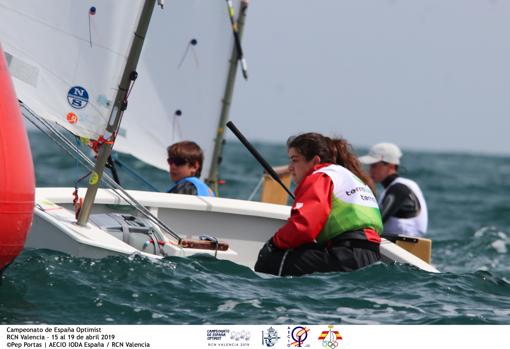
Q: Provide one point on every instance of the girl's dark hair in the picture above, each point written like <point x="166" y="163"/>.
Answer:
<point x="336" y="151"/>
<point x="189" y="152"/>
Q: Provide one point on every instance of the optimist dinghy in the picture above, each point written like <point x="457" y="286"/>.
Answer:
<point x="228" y="229"/>
<point x="74" y="64"/>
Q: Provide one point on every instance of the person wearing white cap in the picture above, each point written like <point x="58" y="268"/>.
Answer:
<point x="402" y="204"/>
<point x="334" y="223"/>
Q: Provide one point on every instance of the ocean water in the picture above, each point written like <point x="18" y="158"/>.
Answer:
<point x="469" y="223"/>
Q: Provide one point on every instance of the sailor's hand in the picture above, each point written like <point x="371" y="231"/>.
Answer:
<point x="269" y="258"/>
<point x="271" y="245"/>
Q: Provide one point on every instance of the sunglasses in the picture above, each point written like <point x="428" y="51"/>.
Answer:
<point x="177" y="161"/>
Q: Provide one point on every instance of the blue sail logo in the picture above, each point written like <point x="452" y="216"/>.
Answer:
<point x="78" y="97"/>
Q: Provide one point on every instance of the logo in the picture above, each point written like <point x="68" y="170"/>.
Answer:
<point x="217" y="335"/>
<point x="270" y="337"/>
<point x="226" y="337"/>
<point x="72" y="118"/>
<point x="77" y="97"/>
<point x="330" y="338"/>
<point x="297" y="336"/>
<point x="94" y="178"/>
<point x="240" y="336"/>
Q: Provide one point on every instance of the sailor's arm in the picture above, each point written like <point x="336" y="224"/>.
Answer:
<point x="397" y="197"/>
<point x="309" y="213"/>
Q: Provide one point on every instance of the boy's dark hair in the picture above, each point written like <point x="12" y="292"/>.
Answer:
<point x="189" y="152"/>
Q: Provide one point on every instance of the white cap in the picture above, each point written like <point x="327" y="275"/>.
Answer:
<point x="387" y="152"/>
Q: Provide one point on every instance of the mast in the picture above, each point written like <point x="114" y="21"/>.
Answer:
<point x="105" y="148"/>
<point x="226" y="102"/>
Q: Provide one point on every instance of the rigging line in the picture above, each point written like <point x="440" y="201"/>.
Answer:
<point x="191" y="43"/>
<point x="237" y="40"/>
<point x="87" y="163"/>
<point x="60" y="137"/>
<point x="183" y="57"/>
<point x="90" y="34"/>
<point x="132" y="172"/>
<point x="57" y="138"/>
<point x="142" y="209"/>
<point x="80" y="179"/>
<point x="51" y="132"/>
<point x="132" y="77"/>
<point x="177" y="134"/>
<point x="92" y="12"/>
<point x="44" y="122"/>
<point x="119" y="191"/>
<point x="256" y="189"/>
<point x="77" y="164"/>
<point x="111" y="165"/>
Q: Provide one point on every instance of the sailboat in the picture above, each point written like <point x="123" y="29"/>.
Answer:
<point x="78" y="71"/>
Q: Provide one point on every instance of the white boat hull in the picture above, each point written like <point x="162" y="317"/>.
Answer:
<point x="244" y="225"/>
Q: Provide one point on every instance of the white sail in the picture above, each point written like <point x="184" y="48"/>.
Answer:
<point x="181" y="82"/>
<point x="67" y="57"/>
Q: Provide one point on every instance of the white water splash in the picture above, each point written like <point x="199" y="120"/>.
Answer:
<point x="449" y="310"/>
<point x="502" y="235"/>
<point x="501" y="312"/>
<point x="392" y="304"/>
<point x="255" y="303"/>
<point x="227" y="306"/>
<point x="481" y="232"/>
<point x="499" y="246"/>
<point x="158" y="316"/>
<point x="230" y="305"/>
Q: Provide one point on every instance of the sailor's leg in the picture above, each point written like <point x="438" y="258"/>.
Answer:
<point x="269" y="259"/>
<point x="313" y="258"/>
<point x="306" y="260"/>
<point x="349" y="258"/>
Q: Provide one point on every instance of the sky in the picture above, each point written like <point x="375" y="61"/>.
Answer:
<point x="428" y="75"/>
